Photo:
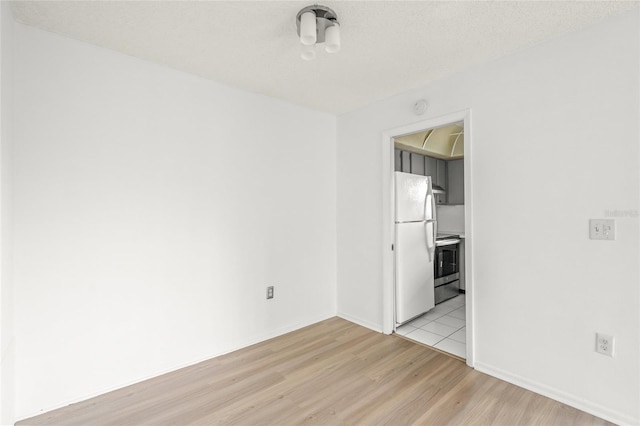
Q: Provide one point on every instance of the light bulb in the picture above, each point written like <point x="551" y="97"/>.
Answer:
<point x="332" y="38"/>
<point x="308" y="28"/>
<point x="308" y="53"/>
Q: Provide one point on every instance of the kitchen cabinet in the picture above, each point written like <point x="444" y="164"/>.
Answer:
<point x="406" y="162"/>
<point x="455" y="182"/>
<point x="430" y="166"/>
<point x="409" y="162"/>
<point x="417" y="164"/>
<point x="441" y="174"/>
<point x="437" y="169"/>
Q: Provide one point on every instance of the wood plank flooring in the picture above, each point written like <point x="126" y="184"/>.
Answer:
<point x="330" y="373"/>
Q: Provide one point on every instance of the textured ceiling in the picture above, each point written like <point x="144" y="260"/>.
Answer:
<point x="387" y="46"/>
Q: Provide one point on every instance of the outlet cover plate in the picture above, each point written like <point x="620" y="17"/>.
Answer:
<point x="604" y="344"/>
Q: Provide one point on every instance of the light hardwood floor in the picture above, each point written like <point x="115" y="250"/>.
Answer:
<point x="330" y="373"/>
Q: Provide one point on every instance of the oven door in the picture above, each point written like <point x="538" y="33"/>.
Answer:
<point x="446" y="260"/>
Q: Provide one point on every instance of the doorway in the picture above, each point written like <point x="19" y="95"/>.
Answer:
<point x="463" y="308"/>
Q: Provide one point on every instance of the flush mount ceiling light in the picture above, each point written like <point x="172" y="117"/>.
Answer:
<point x="318" y="24"/>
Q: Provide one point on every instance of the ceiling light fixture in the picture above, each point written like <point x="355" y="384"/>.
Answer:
<point x="318" y="24"/>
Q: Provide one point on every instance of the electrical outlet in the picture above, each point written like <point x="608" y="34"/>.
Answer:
<point x="270" y="292"/>
<point x="604" y="344"/>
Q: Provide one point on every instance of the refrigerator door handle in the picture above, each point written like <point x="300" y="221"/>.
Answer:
<point x="430" y="239"/>
<point x="429" y="203"/>
<point x="433" y="207"/>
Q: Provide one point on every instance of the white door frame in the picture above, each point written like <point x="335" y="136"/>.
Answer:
<point x="388" y="213"/>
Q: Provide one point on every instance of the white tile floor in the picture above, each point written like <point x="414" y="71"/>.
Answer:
<point x="443" y="327"/>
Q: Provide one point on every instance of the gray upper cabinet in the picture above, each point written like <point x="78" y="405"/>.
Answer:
<point x="441" y="174"/>
<point x="455" y="172"/>
<point x="397" y="160"/>
<point x="417" y="164"/>
<point x="406" y="162"/>
<point x="409" y="162"/>
<point x="430" y="167"/>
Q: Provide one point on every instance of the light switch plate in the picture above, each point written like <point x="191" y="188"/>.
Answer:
<point x="602" y="229"/>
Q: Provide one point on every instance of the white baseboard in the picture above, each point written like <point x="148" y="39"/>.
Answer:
<point x="558" y="395"/>
<point x="359" y="321"/>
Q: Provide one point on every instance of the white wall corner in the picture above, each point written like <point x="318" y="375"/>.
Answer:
<point x="365" y="323"/>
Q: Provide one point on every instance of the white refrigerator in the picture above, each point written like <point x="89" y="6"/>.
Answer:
<point x="415" y="244"/>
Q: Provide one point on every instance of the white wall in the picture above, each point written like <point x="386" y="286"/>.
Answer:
<point x="7" y="348"/>
<point x="542" y="289"/>
<point x="152" y="208"/>
<point x="450" y="218"/>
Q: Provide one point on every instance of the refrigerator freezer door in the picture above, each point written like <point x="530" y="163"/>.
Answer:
<point x="412" y="203"/>
<point x="414" y="270"/>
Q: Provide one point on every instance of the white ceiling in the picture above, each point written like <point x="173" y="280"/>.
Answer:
<point x="387" y="46"/>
